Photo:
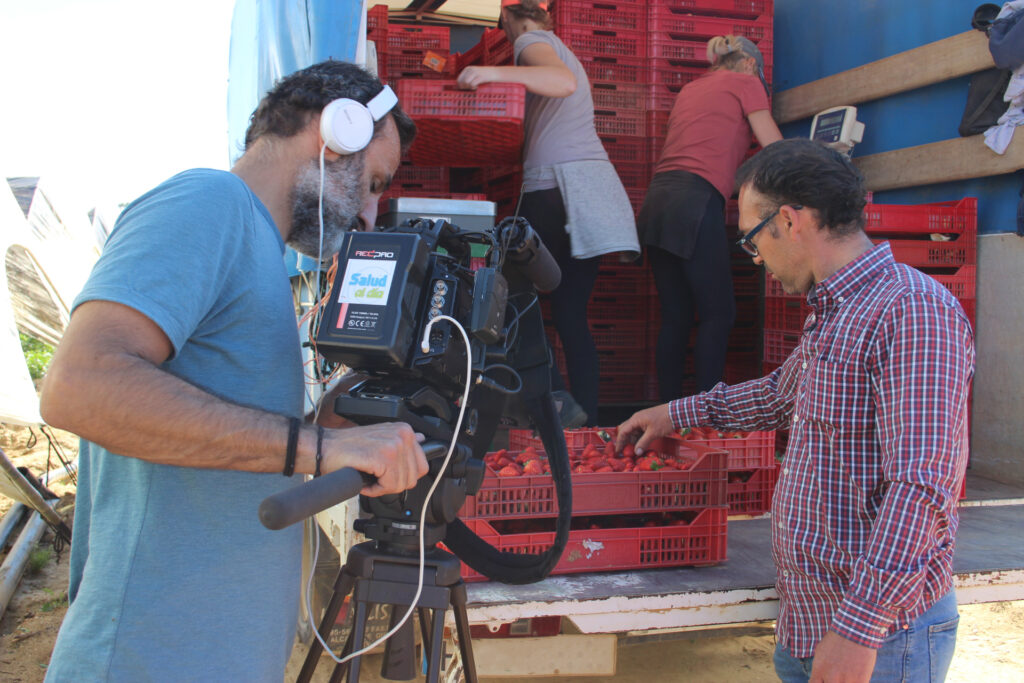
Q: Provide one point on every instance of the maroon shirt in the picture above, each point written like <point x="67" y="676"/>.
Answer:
<point x="708" y="131"/>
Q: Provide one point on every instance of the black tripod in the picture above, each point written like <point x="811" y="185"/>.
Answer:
<point x="375" y="576"/>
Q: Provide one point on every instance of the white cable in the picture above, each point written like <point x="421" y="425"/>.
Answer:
<point x="423" y="513"/>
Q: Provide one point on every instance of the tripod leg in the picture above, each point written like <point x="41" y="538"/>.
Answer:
<point x="400" y="650"/>
<point x="341" y="669"/>
<point x="358" y="631"/>
<point x="436" y="646"/>
<point x="462" y="629"/>
<point x="424" y="615"/>
<point x="342" y="586"/>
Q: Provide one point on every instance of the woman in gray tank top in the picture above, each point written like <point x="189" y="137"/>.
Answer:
<point x="572" y="195"/>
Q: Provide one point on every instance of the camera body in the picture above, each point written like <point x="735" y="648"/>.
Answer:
<point x="388" y="286"/>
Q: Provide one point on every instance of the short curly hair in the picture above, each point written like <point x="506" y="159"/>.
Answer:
<point x="806" y="172"/>
<point x="289" y="106"/>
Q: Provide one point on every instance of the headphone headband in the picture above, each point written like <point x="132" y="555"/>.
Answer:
<point x="382" y="103"/>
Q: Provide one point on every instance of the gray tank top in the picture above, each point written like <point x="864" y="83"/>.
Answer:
<point x="559" y="129"/>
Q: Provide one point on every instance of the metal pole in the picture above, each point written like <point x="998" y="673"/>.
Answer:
<point x="9" y="522"/>
<point x="16" y="561"/>
<point x="33" y="497"/>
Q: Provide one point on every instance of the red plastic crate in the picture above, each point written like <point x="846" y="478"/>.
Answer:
<point x="482" y="127"/>
<point x="403" y="63"/>
<point x="725" y="8"/>
<point x="497" y="50"/>
<point x="618" y="95"/>
<point x="657" y="127"/>
<point x="376" y="18"/>
<point x="618" y="306"/>
<point x="962" y="283"/>
<point x="664" y="46"/>
<point x="732" y="212"/>
<point x="604" y="68"/>
<point x="529" y="627"/>
<point x="474" y="55"/>
<point x="927" y="253"/>
<point x="674" y="74"/>
<point x="755" y="449"/>
<point x="610" y="14"/>
<point x="633" y="174"/>
<point x="601" y="493"/>
<point x="970" y="308"/>
<point x="627" y="148"/>
<point x="701" y="542"/>
<point x="779" y="344"/>
<point x="636" y="197"/>
<point x="621" y="279"/>
<point x="750" y="493"/>
<point x="624" y="388"/>
<point x="680" y="22"/>
<point x="772" y="287"/>
<point x="604" y="42"/>
<point x="681" y="51"/>
<point x="746" y="281"/>
<point x="661" y="98"/>
<point x="426" y="176"/>
<point x="401" y="37"/>
<point x="785" y="313"/>
<point x="630" y="122"/>
<point x="959" y="217"/>
<point x="743" y="338"/>
<point x="741" y="368"/>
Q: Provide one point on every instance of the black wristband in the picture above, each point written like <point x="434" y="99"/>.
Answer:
<point x="319" y="452"/>
<point x="293" y="442"/>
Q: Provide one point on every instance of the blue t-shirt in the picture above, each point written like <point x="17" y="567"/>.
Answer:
<point x="172" y="576"/>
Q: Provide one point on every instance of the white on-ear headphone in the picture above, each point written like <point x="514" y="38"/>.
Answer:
<point x="347" y="125"/>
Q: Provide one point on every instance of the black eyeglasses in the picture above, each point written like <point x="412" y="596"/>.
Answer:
<point x="744" y="242"/>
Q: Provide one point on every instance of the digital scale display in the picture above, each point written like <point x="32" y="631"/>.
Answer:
<point x="829" y="127"/>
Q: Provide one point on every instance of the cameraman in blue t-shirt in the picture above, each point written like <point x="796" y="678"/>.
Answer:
<point x="181" y="370"/>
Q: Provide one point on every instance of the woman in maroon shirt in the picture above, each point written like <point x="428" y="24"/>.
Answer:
<point x="682" y="222"/>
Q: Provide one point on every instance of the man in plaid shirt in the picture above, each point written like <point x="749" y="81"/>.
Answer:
<point x="864" y="515"/>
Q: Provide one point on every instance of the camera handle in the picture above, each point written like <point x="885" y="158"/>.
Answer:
<point x="305" y="500"/>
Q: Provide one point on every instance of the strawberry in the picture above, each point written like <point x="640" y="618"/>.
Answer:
<point x="533" y="467"/>
<point x="509" y="471"/>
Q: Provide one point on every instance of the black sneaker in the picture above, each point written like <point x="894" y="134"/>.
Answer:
<point x="570" y="413"/>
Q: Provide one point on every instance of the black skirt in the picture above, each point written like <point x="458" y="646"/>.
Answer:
<point x="673" y="210"/>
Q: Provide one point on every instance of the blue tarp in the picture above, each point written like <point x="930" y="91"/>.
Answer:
<point x="273" y="38"/>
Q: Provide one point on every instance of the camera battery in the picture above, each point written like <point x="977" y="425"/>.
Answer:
<point x="370" y="320"/>
<point x="468" y="214"/>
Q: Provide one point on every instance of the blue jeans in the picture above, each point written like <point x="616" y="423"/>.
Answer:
<point x="919" y="653"/>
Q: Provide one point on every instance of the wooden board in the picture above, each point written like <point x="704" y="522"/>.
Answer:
<point x="940" y="162"/>
<point x="563" y="655"/>
<point x="942" y="60"/>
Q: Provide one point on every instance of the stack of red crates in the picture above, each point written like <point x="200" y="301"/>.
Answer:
<point x="621" y="520"/>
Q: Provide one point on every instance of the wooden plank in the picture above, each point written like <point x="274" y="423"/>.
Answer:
<point x="942" y="60"/>
<point x="939" y="162"/>
<point x="563" y="655"/>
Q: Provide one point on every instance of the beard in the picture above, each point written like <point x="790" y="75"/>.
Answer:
<point x="344" y="197"/>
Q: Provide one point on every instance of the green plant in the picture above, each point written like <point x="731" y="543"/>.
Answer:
<point x="37" y="559"/>
<point x="57" y="601"/>
<point x="37" y="355"/>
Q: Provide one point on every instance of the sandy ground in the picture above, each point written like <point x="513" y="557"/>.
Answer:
<point x="990" y="645"/>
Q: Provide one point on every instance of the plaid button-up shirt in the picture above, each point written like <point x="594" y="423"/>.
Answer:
<point x="875" y="397"/>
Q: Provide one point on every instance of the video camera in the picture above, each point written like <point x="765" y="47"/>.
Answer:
<point x="387" y="317"/>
